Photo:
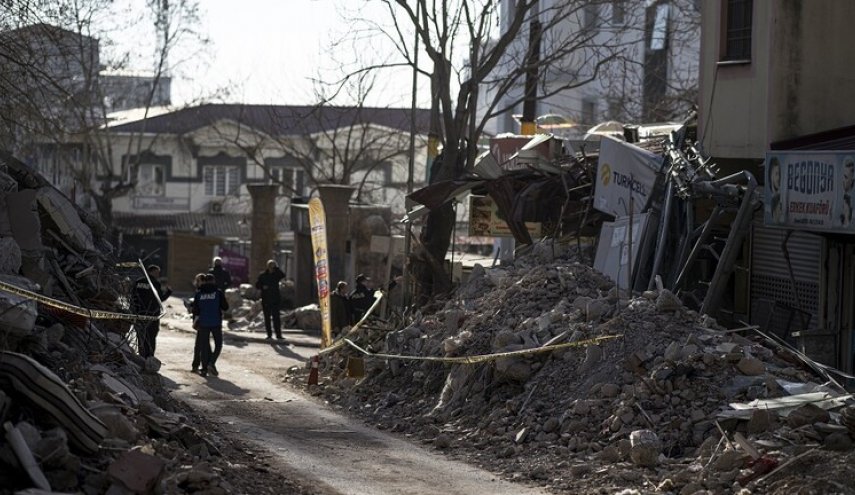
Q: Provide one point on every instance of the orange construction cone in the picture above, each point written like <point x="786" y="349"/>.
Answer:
<point x="313" y="374"/>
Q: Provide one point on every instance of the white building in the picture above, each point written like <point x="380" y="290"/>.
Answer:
<point x="651" y="75"/>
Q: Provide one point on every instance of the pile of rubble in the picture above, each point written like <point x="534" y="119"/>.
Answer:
<point x="674" y="403"/>
<point x="81" y="412"/>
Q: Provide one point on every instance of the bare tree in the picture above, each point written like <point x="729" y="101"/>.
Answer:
<point x="54" y="97"/>
<point x="467" y="54"/>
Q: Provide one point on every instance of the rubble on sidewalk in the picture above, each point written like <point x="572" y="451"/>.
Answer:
<point x="644" y="410"/>
<point x="81" y="411"/>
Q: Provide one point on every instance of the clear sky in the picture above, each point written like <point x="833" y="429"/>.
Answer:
<point x="267" y="51"/>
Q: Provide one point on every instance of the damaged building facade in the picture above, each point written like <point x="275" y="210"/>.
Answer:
<point x="767" y="74"/>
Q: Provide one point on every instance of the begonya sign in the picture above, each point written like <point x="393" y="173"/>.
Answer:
<point x="624" y="171"/>
<point x="810" y="190"/>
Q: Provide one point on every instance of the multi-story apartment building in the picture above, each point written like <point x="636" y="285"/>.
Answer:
<point x="640" y="61"/>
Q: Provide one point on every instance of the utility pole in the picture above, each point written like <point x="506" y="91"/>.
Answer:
<point x="528" y="126"/>
<point x="411" y="170"/>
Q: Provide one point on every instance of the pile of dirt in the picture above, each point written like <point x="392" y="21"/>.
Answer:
<point x="643" y="410"/>
<point x="81" y="411"/>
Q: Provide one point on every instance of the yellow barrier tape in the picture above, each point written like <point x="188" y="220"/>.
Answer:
<point x="338" y="344"/>
<point x="483" y="358"/>
<point x="95" y="314"/>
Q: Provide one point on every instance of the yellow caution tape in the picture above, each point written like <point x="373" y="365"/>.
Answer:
<point x="338" y="344"/>
<point x="483" y="358"/>
<point x="95" y="314"/>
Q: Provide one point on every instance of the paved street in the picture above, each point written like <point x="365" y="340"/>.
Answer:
<point x="305" y="438"/>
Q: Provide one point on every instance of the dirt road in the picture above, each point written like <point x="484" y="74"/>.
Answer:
<point x="329" y="452"/>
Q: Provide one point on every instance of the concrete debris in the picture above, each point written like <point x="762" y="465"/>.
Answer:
<point x="64" y="216"/>
<point x="10" y="256"/>
<point x="136" y="471"/>
<point x="650" y="397"/>
<point x="17" y="314"/>
<point x="75" y="399"/>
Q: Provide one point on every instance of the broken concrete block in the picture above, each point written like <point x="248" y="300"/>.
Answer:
<point x="807" y="414"/>
<point x="667" y="301"/>
<point x="751" y="366"/>
<point x="10" y="256"/>
<point x="117" y="424"/>
<point x="136" y="471"/>
<point x="17" y="313"/>
<point x="64" y="215"/>
<point x="25" y="224"/>
<point x="645" y="448"/>
<point x="308" y="317"/>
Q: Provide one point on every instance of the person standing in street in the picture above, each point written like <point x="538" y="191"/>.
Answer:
<point x="271" y="300"/>
<point x="146" y="300"/>
<point x="210" y="302"/>
<point x="198" y="282"/>
<point x="339" y="308"/>
<point x="222" y="276"/>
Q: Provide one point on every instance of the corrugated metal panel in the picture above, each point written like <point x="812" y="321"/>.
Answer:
<point x="804" y="251"/>
<point x="774" y="303"/>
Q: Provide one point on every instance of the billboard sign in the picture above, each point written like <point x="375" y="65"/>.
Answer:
<point x="624" y="171"/>
<point x="810" y="190"/>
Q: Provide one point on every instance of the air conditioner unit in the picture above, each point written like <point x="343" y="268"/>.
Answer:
<point x="215" y="207"/>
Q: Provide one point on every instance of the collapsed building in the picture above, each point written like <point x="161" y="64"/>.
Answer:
<point x="81" y="411"/>
<point x="610" y="352"/>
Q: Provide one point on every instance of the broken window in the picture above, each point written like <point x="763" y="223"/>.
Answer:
<point x="590" y="16"/>
<point x="589" y="110"/>
<point x="737" y="41"/>
<point x="618" y="12"/>
<point x="221" y="180"/>
<point x="151" y="180"/>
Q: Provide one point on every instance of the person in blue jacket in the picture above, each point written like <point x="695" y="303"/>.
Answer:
<point x="209" y="304"/>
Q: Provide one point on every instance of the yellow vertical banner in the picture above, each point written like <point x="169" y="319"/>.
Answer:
<point x="318" y="223"/>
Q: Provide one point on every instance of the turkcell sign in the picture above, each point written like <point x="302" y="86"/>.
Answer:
<point x="624" y="171"/>
<point x="810" y="190"/>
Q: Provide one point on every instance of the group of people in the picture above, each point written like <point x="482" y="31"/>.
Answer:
<point x="207" y="308"/>
<point x="209" y="304"/>
<point x="347" y="308"/>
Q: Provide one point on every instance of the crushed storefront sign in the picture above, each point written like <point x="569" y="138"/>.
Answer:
<point x="484" y="220"/>
<point x="810" y="190"/>
<point x="624" y="171"/>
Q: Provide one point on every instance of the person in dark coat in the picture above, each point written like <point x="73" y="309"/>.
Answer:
<point x="361" y="298"/>
<point x="339" y="308"/>
<point x="222" y="276"/>
<point x="146" y="300"/>
<point x="268" y="284"/>
<point x="209" y="303"/>
<point x="198" y="282"/>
